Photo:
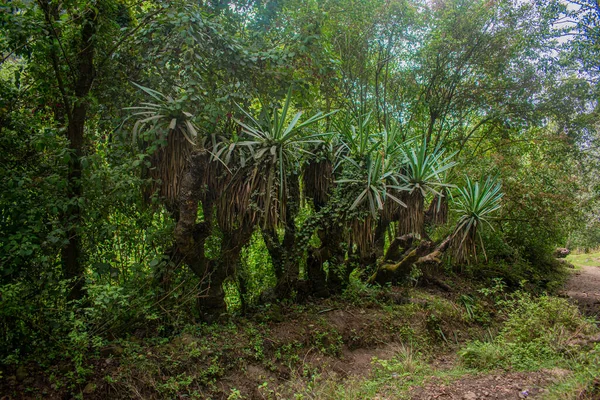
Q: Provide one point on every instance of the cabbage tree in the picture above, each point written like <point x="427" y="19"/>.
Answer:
<point x="475" y="203"/>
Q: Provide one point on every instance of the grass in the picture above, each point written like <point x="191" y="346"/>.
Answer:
<point x="537" y="335"/>
<point x="584" y="260"/>
<point x="432" y="339"/>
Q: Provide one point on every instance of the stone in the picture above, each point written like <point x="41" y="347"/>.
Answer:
<point x="89" y="388"/>
<point x="561" y="252"/>
<point x="21" y="373"/>
<point x="470" y="396"/>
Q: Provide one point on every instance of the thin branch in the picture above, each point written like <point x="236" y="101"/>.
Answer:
<point x="127" y="36"/>
<point x="46" y="9"/>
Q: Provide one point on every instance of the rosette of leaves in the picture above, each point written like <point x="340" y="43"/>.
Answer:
<point x="422" y="174"/>
<point x="276" y="140"/>
<point x="475" y="203"/>
<point x="372" y="184"/>
<point x="357" y="139"/>
<point x="168" y="135"/>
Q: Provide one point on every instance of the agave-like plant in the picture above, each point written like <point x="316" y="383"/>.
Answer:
<point x="171" y="134"/>
<point x="276" y="141"/>
<point x="163" y="117"/>
<point x="369" y="164"/>
<point x="422" y="174"/>
<point x="376" y="182"/>
<point x="475" y="203"/>
<point x="357" y="139"/>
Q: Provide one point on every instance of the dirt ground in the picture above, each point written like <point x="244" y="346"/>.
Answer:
<point x="513" y="385"/>
<point x="584" y="289"/>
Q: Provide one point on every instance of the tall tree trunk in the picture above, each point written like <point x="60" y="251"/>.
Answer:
<point x="291" y="272"/>
<point x="191" y="236"/>
<point x="77" y="109"/>
<point x="324" y="284"/>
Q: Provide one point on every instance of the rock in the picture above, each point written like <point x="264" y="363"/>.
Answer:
<point x="89" y="388"/>
<point x="113" y="350"/>
<point x="470" y="396"/>
<point x="21" y="373"/>
<point x="561" y="252"/>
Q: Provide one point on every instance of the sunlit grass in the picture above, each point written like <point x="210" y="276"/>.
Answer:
<point x="585" y="260"/>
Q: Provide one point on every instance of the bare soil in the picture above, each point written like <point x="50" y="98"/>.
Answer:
<point x="506" y="385"/>
<point x="584" y="290"/>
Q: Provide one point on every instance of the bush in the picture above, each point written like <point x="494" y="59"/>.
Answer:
<point x="536" y="334"/>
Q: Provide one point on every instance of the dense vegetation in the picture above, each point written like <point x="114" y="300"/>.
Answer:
<point x="168" y="163"/>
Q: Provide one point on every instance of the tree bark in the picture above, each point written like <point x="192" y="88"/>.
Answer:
<point x="191" y="236"/>
<point x="284" y="254"/>
<point x="424" y="252"/>
<point x="76" y="117"/>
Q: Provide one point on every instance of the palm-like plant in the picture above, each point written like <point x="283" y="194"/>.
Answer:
<point x="422" y="174"/>
<point x="153" y="118"/>
<point x="170" y="134"/>
<point x="376" y="181"/>
<point x="368" y="163"/>
<point x="475" y="203"/>
<point x="357" y="140"/>
<point x="276" y="142"/>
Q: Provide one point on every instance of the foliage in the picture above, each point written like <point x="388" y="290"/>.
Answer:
<point x="474" y="203"/>
<point x="227" y="177"/>
<point x="537" y="333"/>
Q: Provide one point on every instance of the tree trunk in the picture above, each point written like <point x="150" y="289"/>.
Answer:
<point x="71" y="253"/>
<point x="424" y="252"/>
<point x="191" y="236"/>
<point x="284" y="255"/>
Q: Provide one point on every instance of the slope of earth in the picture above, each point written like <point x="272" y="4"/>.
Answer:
<point x="584" y="285"/>
<point x="371" y="344"/>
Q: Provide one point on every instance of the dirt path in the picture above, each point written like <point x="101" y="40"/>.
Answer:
<point x="505" y="386"/>
<point x="584" y="289"/>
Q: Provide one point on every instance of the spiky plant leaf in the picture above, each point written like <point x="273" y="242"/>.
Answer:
<point x="276" y="143"/>
<point x="475" y="203"/>
<point x="423" y="173"/>
<point x="171" y="134"/>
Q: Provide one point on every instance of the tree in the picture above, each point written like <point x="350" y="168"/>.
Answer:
<point x="67" y="47"/>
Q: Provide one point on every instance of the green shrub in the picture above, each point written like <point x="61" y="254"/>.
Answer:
<point x="536" y="334"/>
<point x="482" y="355"/>
<point x="546" y="319"/>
